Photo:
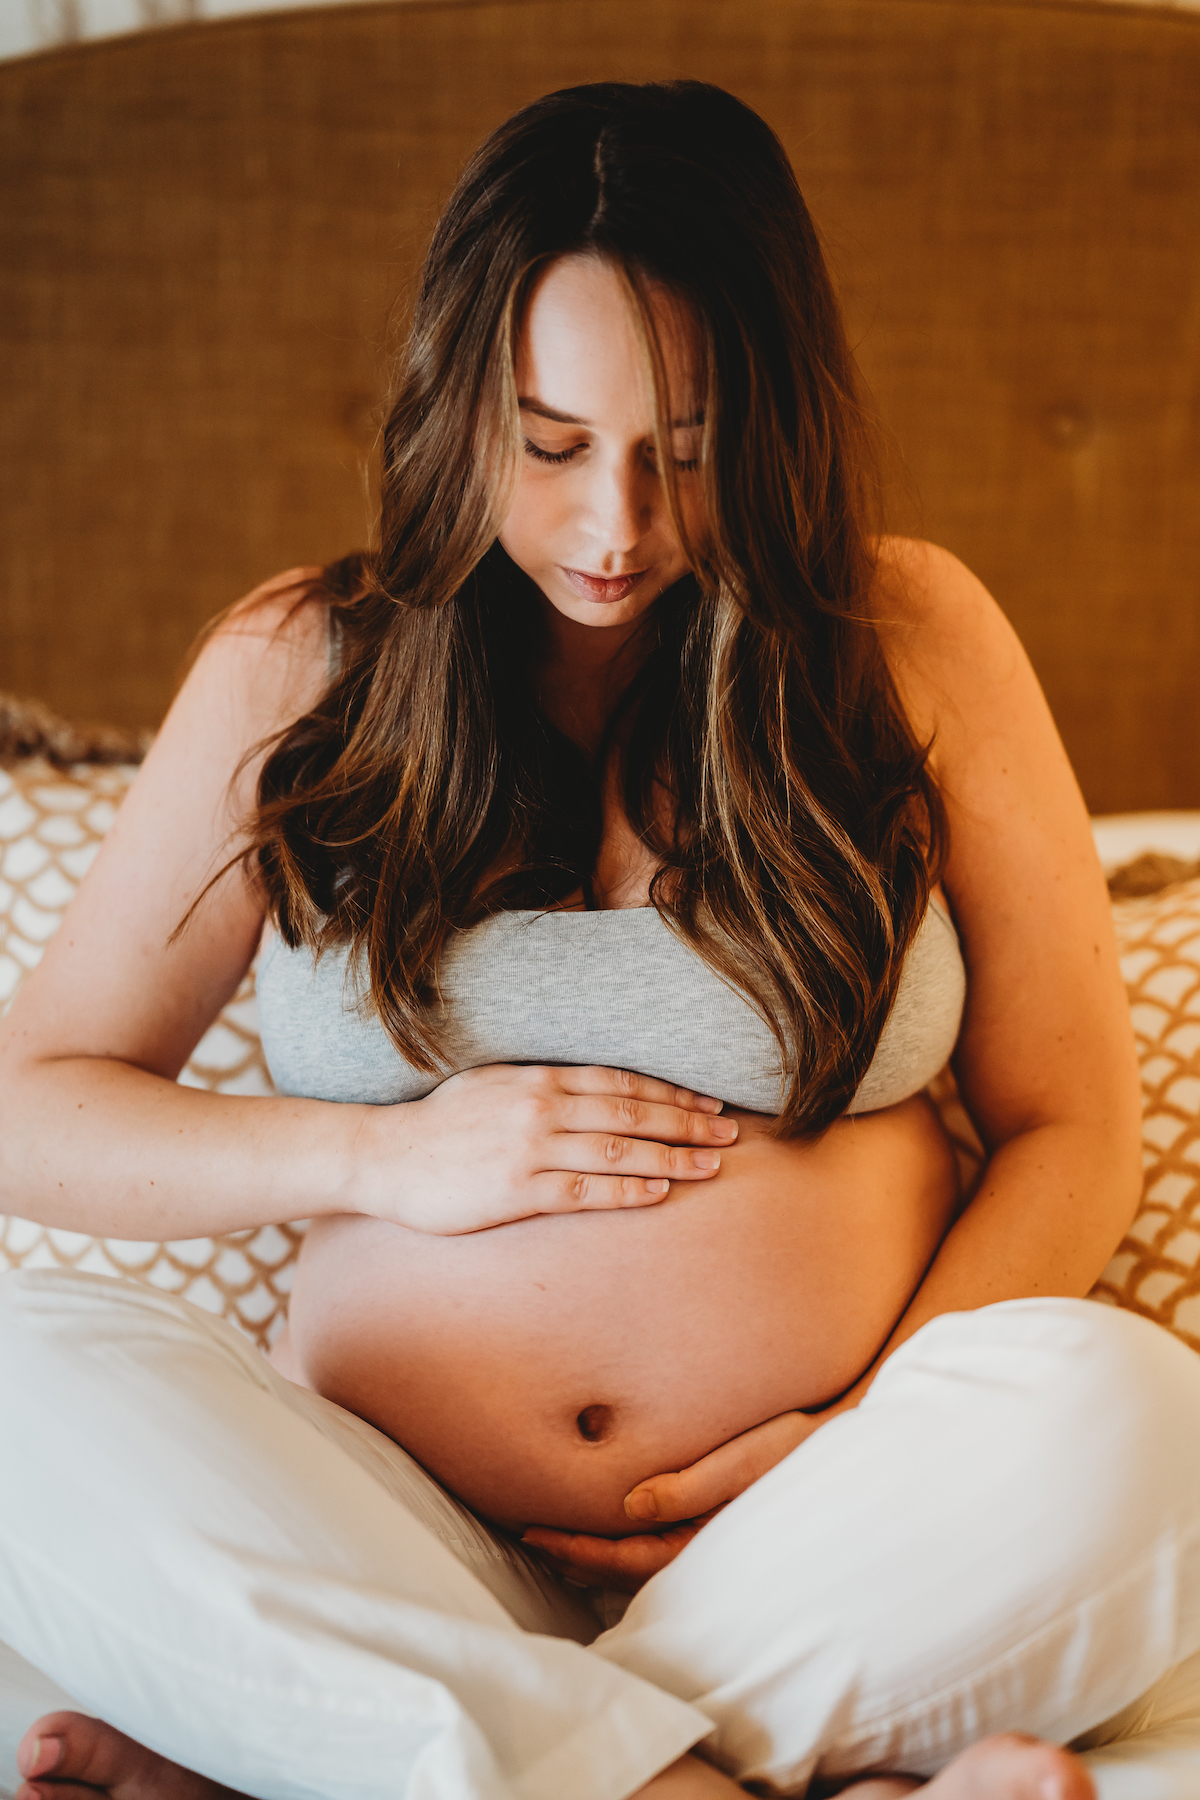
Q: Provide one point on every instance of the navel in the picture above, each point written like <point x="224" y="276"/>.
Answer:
<point x="594" y="1423"/>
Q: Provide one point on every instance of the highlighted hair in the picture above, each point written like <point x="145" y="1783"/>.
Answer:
<point x="425" y="790"/>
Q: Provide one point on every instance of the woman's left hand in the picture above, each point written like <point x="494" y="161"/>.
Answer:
<point x="684" y="1500"/>
<point x="625" y="1563"/>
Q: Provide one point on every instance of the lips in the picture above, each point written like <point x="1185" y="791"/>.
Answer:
<point x="602" y="589"/>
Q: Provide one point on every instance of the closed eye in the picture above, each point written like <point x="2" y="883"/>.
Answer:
<point x="685" y="465"/>
<point x="551" y="456"/>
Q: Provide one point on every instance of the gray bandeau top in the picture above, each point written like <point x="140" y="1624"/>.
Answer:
<point x="613" y="987"/>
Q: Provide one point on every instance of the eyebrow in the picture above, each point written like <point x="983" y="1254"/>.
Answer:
<point x="528" y="404"/>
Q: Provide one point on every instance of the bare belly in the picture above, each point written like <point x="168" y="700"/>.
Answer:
<point x="541" y="1369"/>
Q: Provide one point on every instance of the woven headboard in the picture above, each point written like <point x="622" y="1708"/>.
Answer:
<point x="201" y="230"/>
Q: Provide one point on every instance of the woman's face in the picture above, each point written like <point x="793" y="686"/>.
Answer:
<point x="589" y="521"/>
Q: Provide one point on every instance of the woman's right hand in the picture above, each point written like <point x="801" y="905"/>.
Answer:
<point x="508" y="1141"/>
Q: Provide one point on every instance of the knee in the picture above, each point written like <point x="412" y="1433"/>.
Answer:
<point x="82" y="1341"/>
<point x="1137" y="1390"/>
<point x="30" y="1302"/>
<point x="50" y="1323"/>
<point x="1094" y="1362"/>
<point x="46" y="1313"/>
<point x="1095" y="1401"/>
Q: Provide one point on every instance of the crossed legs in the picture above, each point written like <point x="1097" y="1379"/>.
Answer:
<point x="1004" y="1537"/>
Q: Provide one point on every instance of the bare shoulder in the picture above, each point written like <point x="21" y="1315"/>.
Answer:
<point x="1046" y="1031"/>
<point x="281" y="603"/>
<point x="947" y="642"/>
<point x="920" y="583"/>
<point x="261" y="665"/>
<point x="971" y="693"/>
<point x="123" y="980"/>
<point x="273" y="644"/>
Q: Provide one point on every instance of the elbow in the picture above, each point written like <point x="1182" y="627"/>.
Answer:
<point x="17" y="1111"/>
<point x="1127" y="1198"/>
<point x="10" y="1143"/>
<point x="1117" y="1165"/>
<point x="1128" y="1159"/>
<point x="10" y="1183"/>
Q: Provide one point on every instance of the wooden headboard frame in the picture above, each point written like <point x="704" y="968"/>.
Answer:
<point x="202" y="229"/>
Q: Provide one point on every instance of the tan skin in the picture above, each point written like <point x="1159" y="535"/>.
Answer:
<point x="1045" y="1058"/>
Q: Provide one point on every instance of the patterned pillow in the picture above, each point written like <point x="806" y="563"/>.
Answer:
<point x="51" y="823"/>
<point x="1155" y="1270"/>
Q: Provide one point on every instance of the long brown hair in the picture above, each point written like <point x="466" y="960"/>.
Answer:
<point x="426" y="790"/>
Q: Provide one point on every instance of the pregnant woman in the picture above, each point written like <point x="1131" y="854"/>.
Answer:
<point x="630" y="837"/>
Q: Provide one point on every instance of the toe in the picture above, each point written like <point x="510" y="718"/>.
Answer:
<point x="1013" y="1767"/>
<point x="56" y="1790"/>
<point x="42" y="1748"/>
<point x="67" y="1754"/>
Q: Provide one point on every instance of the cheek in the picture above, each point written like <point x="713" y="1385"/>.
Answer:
<point x="529" y="519"/>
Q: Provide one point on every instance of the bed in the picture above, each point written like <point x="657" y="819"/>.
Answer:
<point x="203" y="232"/>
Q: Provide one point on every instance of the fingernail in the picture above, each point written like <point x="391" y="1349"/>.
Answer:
<point x="657" y="1187"/>
<point x="705" y="1159"/>
<point x="725" y="1129"/>
<point x="704" y="1103"/>
<point x="641" y="1504"/>
<point x="47" y="1754"/>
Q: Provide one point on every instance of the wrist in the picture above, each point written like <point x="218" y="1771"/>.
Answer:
<point x="373" y="1158"/>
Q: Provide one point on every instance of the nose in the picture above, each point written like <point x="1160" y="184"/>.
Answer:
<point x="621" y="507"/>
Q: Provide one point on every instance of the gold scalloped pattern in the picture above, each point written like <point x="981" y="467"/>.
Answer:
<point x="51" y="824"/>
<point x="1156" y="1269"/>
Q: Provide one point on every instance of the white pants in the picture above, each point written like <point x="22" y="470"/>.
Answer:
<point x="1004" y="1535"/>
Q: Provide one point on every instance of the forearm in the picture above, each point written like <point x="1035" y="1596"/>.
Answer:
<point x="1048" y="1214"/>
<point x="96" y="1145"/>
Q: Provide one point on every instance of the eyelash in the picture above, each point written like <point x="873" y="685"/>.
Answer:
<point x="550" y="456"/>
<point x="563" y="456"/>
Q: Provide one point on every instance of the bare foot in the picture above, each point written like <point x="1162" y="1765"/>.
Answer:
<point x="1012" y="1767"/>
<point x="67" y="1756"/>
<point x="690" y="1779"/>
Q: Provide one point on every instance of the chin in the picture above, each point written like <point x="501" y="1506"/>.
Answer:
<point x="602" y="612"/>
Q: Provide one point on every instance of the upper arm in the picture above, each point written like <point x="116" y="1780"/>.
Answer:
<point x="112" y="983"/>
<point x="1046" y="1034"/>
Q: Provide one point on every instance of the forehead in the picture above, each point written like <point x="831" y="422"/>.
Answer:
<point x="578" y="342"/>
